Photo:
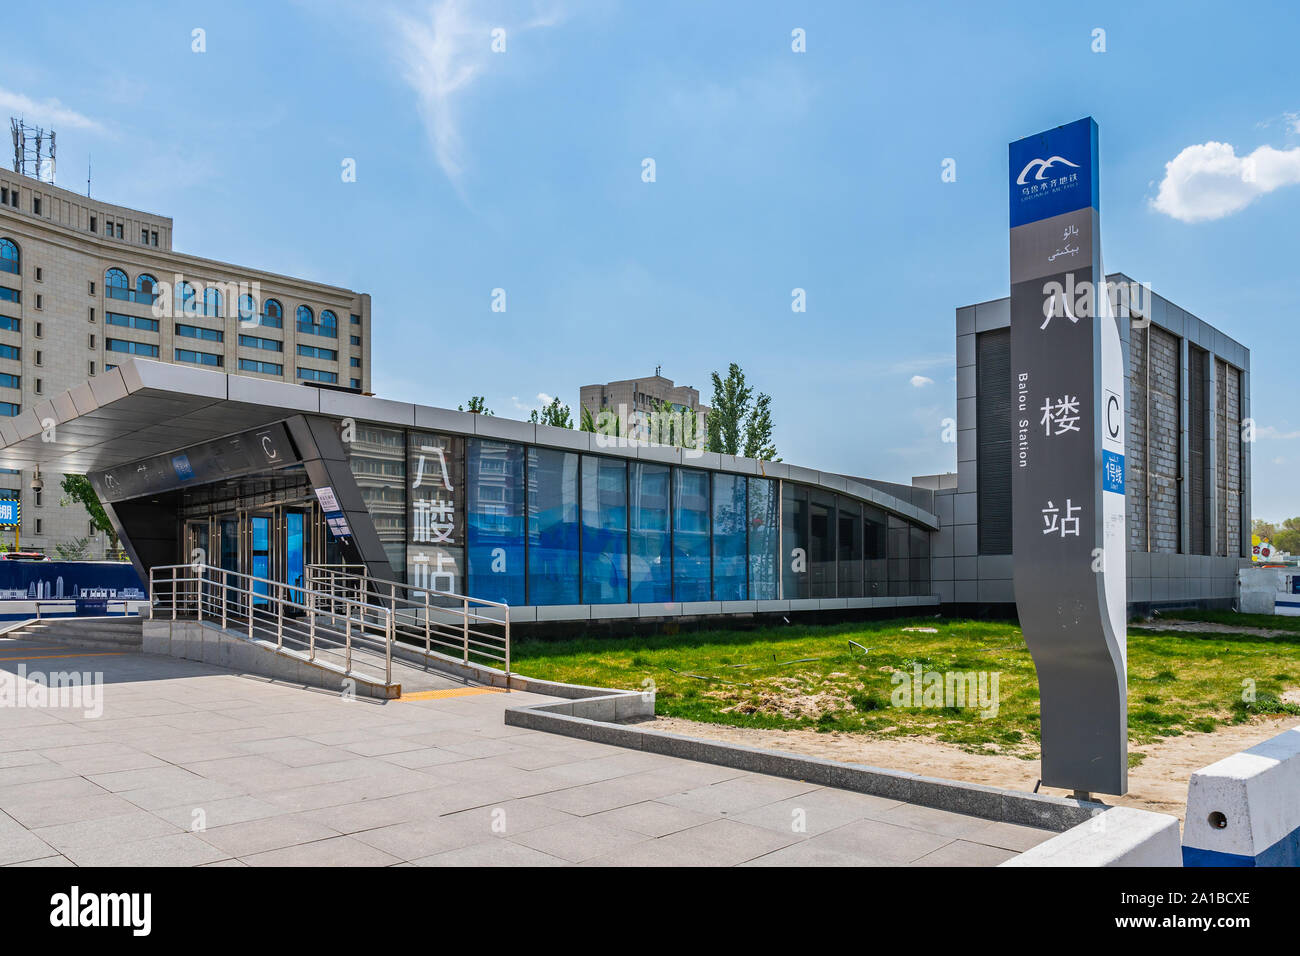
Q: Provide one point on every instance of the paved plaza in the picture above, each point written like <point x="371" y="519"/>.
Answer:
<point x="191" y="765"/>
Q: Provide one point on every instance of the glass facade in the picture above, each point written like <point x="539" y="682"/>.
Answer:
<point x="539" y="526"/>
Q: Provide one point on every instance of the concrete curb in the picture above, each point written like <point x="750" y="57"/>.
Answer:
<point x="1122" y="836"/>
<point x="573" y="719"/>
<point x="207" y="643"/>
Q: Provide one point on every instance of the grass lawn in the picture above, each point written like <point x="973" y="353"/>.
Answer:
<point x="812" y="677"/>
<point x="1273" y="622"/>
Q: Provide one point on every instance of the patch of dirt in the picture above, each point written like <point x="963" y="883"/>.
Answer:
<point x="1159" y="783"/>
<point x="1207" y="627"/>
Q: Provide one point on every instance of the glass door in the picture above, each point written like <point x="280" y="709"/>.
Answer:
<point x="197" y="535"/>
<point x="259" y="566"/>
<point x="295" y="553"/>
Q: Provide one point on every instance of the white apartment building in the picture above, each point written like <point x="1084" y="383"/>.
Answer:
<point x="85" y="284"/>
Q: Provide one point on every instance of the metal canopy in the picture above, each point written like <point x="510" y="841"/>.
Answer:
<point x="143" y="408"/>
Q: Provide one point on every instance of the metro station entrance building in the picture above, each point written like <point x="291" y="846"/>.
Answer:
<point x="272" y="480"/>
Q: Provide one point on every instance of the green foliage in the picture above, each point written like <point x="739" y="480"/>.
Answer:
<point x="73" y="550"/>
<point x="555" y="414"/>
<point x="477" y="406"/>
<point x="77" y="488"/>
<point x="740" y="422"/>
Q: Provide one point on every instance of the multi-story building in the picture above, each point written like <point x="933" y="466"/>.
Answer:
<point x="634" y="399"/>
<point x="1188" y="480"/>
<point x="85" y="284"/>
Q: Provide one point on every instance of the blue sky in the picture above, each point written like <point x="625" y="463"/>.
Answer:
<point x="774" y="170"/>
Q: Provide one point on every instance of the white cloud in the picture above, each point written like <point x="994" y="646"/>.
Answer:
<point x="1272" y="431"/>
<point x="444" y="50"/>
<point x="1210" y="181"/>
<point x="50" y="112"/>
<point x="920" y="381"/>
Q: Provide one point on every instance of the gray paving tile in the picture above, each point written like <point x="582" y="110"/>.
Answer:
<point x="183" y="849"/>
<point x="722" y="843"/>
<point x="120" y="828"/>
<point x="961" y="853"/>
<point x="337" y="851"/>
<point x="653" y="818"/>
<point x="580" y="839"/>
<point x="496" y="853"/>
<point x="268" y="833"/>
<point x="739" y="794"/>
<point x="877" y="841"/>
<point x="816" y="811"/>
<point x="1009" y="836"/>
<point x="932" y="820"/>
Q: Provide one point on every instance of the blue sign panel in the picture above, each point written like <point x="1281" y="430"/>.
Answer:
<point x="181" y="464"/>
<point x="1054" y="172"/>
<point x="10" y="512"/>
<point x="1112" y="472"/>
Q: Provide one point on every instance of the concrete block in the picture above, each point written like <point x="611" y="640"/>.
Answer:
<point x="1122" y="836"/>
<point x="1243" y="810"/>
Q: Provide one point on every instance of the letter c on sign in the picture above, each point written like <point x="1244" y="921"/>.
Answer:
<point x="1112" y="406"/>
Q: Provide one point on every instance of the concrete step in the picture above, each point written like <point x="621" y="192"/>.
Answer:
<point x="100" y="633"/>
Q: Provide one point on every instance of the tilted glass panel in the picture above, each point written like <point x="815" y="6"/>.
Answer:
<point x="651" y="543"/>
<point x="821" y="545"/>
<point x="919" y="558"/>
<point x="764" y="539"/>
<point x="730" y="552"/>
<point x="875" y="552"/>
<point x="848" y="547"/>
<point x="553" y="565"/>
<point x="377" y="457"/>
<point x="604" y="530"/>
<point x="690" y="535"/>
<point x="898" y="558"/>
<point x="494" y="474"/>
<point x="794" y="538"/>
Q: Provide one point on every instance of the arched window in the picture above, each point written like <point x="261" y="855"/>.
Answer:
<point x="146" y="287"/>
<point x="211" y="301"/>
<point x="186" y="298"/>
<point x="273" y="314"/>
<point x="8" y="256"/>
<point x="247" y="308"/>
<point x="116" y="285"/>
<point x="306" y="319"/>
<point x="329" y="324"/>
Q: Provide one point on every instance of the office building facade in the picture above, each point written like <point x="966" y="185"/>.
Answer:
<point x="86" y="285"/>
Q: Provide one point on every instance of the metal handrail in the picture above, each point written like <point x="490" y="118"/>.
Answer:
<point x="358" y="609"/>
<point x="210" y="589"/>
<point x="421" y="620"/>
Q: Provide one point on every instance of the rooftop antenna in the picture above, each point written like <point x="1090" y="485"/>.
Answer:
<point x="34" y="149"/>
<point x="87" y="175"/>
<point x="658" y="369"/>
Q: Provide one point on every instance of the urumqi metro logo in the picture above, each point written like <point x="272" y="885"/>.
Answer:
<point x="1043" y="165"/>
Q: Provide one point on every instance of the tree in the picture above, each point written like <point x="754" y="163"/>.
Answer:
<point x="739" y="422"/>
<point x="1287" y="537"/>
<point x="554" y="414"/>
<point x="1265" y="529"/>
<point x="477" y="406"/>
<point x="78" y="488"/>
<point x="74" y="549"/>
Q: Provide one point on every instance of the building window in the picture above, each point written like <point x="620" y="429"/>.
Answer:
<point x="266" y="368"/>
<point x="199" y="358"/>
<point x="356" y="383"/>
<point x="10" y="324"/>
<point x="154" y="235"/>
<point x="131" y="348"/>
<point x="311" y="351"/>
<point x="327" y="326"/>
<point x="91" y="341"/>
<point x="10" y="295"/>
<point x="212" y="304"/>
<point x="246" y="307"/>
<point x="9" y="409"/>
<point x="144" y="237"/>
<point x="993" y="413"/>
<point x="40" y="274"/>
<point x="11" y="352"/>
<point x="273" y="314"/>
<point x="356" y="362"/>
<point x="254" y="342"/>
<point x="131" y="321"/>
<point x="356" y="339"/>
<point x="8" y="380"/>
<point x="40" y="359"/>
<point x="39" y="387"/>
<point x="316" y="375"/>
<point x="40" y="303"/>
<point x="39" y="330"/>
<point x="355" y="319"/>
<point x="40" y="526"/>
<point x="197" y="332"/>
<point x="116" y="285"/>
<point x="189" y="304"/>
<point x="119" y="230"/>
<point x="146" y="288"/>
<point x="36" y="205"/>
<point x="9" y="258"/>
<point x="91" y="285"/>
<point x="92" y="225"/>
<point x="92" y="313"/>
